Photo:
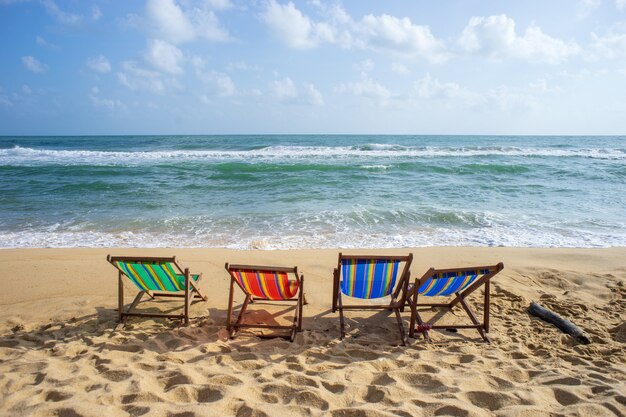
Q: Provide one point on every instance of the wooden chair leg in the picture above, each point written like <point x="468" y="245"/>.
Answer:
<point x="120" y="298"/>
<point x="186" y="313"/>
<point x="235" y="327"/>
<point x="472" y="317"/>
<point x="412" y="304"/>
<point x="400" y="326"/>
<point x="301" y="301"/>
<point x="486" y="308"/>
<point x="230" y="306"/>
<point x="342" y="328"/>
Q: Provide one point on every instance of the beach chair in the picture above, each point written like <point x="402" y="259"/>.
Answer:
<point x="156" y="277"/>
<point x="370" y="277"/>
<point x="458" y="283"/>
<point x="269" y="284"/>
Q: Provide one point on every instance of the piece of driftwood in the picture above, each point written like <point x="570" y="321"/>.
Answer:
<point x="564" y="325"/>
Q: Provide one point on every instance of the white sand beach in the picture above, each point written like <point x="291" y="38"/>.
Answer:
<point x="60" y="355"/>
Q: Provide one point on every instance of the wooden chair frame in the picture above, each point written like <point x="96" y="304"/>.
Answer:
<point x="191" y="290"/>
<point x="459" y="298"/>
<point x="300" y="300"/>
<point x="396" y="305"/>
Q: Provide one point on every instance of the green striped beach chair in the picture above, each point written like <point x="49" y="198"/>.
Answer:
<point x="458" y="283"/>
<point x="369" y="277"/>
<point x="155" y="277"/>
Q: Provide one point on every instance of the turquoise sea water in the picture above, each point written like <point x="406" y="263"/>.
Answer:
<point x="301" y="191"/>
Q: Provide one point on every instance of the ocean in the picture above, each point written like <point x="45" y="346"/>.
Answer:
<point x="312" y="191"/>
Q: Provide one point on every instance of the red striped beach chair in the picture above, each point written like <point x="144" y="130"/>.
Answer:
<point x="156" y="277"/>
<point x="455" y="282"/>
<point x="371" y="277"/>
<point x="269" y="284"/>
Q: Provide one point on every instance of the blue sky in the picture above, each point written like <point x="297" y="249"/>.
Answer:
<point x="272" y="66"/>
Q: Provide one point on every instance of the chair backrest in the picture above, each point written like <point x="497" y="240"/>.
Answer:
<point x="151" y="274"/>
<point x="444" y="282"/>
<point x="370" y="277"/>
<point x="265" y="282"/>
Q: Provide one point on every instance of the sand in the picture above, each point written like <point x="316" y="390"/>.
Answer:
<point x="60" y="355"/>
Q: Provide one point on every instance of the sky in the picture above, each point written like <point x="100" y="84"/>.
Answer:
<point x="109" y="67"/>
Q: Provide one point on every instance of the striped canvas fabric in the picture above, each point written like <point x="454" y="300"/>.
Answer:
<point x="267" y="285"/>
<point x="154" y="276"/>
<point x="368" y="278"/>
<point x="447" y="283"/>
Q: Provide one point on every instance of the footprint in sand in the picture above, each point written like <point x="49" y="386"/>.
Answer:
<point x="117" y="375"/>
<point x="565" y="397"/>
<point x="56" y="396"/>
<point x="491" y="400"/>
<point x="287" y="394"/>
<point x="334" y="388"/>
<point x="136" y="411"/>
<point x="451" y="410"/>
<point x="358" y="412"/>
<point x="374" y="395"/>
<point x="302" y="380"/>
<point x="246" y="411"/>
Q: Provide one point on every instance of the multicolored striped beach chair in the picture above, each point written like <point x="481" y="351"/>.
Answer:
<point x="458" y="283"/>
<point x="269" y="284"/>
<point x="155" y="277"/>
<point x="370" y="277"/>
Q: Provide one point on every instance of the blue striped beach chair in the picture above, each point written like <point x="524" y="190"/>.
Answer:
<point x="155" y="277"/>
<point x="458" y="283"/>
<point x="371" y="277"/>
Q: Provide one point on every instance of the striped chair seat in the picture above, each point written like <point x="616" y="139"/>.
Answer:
<point x="154" y="276"/>
<point x="266" y="285"/>
<point x="368" y="278"/>
<point x="446" y="283"/>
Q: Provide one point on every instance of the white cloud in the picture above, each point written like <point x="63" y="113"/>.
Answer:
<point x="400" y="35"/>
<point x="99" y="64"/>
<point x="586" y="7"/>
<point x="365" y="87"/>
<point x="495" y="37"/>
<point x="32" y="64"/>
<point x="26" y="89"/>
<point x="170" y="20"/>
<point x="399" y="68"/>
<point x="620" y="4"/>
<point x="294" y="28"/>
<point x="380" y="33"/>
<point x="165" y="57"/>
<point x="241" y="66"/>
<point x="365" y="65"/>
<point x="177" y="25"/>
<point x="42" y="42"/>
<point x="313" y="96"/>
<point x="63" y="17"/>
<point x="140" y="79"/>
<point x="430" y="88"/>
<point x="5" y="101"/>
<point x="452" y="94"/>
<point x="207" y="26"/>
<point x="219" y="4"/>
<point x="284" y="90"/>
<point x="96" y="13"/>
<point x="105" y="103"/>
<point x="612" y="45"/>
<point x="220" y="84"/>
